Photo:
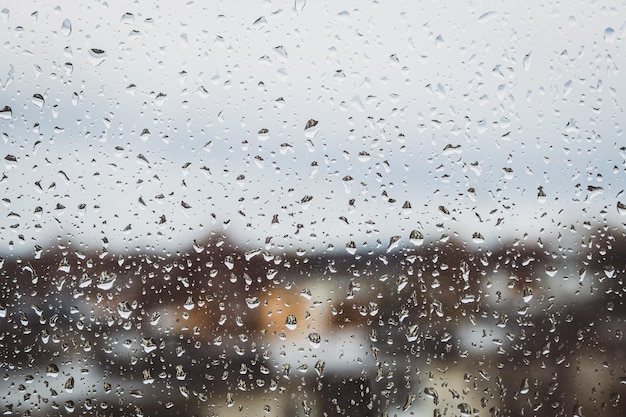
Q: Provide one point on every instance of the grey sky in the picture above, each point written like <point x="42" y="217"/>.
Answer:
<point x="415" y="104"/>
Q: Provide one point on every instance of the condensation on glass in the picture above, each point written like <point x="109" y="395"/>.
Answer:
<point x="312" y="208"/>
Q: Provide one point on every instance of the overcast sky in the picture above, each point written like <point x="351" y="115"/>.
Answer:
<point x="149" y="114"/>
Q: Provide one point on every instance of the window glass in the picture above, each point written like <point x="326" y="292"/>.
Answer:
<point x="312" y="208"/>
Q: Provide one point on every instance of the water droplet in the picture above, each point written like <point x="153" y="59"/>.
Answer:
<point x="6" y="113"/>
<point x="38" y="100"/>
<point x="524" y="387"/>
<point x="551" y="270"/>
<point x="351" y="247"/>
<point x="402" y="282"/>
<point x="609" y="35"/>
<point x="485" y="17"/>
<point x="52" y="370"/>
<point x="394" y="241"/>
<point x="263" y="134"/>
<point x="251" y="253"/>
<point x="37" y="310"/>
<point x="478" y="238"/>
<point x="106" y="281"/>
<point x="124" y="310"/>
<point x="69" y="406"/>
<point x="468" y="298"/>
<point x="451" y="149"/>
<point x="464" y="410"/>
<point x="291" y="322"/>
<point x="298" y="5"/>
<point x="311" y="128"/>
<point x="229" y="261"/>
<point x="127" y="18"/>
<point x="180" y="373"/>
<point x="373" y="307"/>
<point x="259" y="23"/>
<point x="136" y="393"/>
<point x="229" y="399"/>
<point x="280" y="54"/>
<point x="315" y="339"/>
<point x="541" y="195"/>
<point x="577" y="411"/>
<point x="189" y="303"/>
<point x="621" y="208"/>
<point x="439" y="41"/>
<point x="84" y="281"/>
<point x="347" y="181"/>
<point x="609" y="271"/>
<point x="527" y="61"/>
<point x="437" y="307"/>
<point x="431" y="393"/>
<point x="528" y="294"/>
<point x="412" y="333"/>
<point x="147" y="377"/>
<point x="253" y="302"/>
<point x="66" y="27"/>
<point x="96" y="56"/>
<point x="148" y="345"/>
<point x="69" y="384"/>
<point x="306" y="201"/>
<point x="154" y="318"/>
<point x="10" y="161"/>
<point x="416" y="238"/>
<point x="319" y="367"/>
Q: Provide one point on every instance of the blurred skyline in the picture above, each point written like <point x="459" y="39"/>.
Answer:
<point x="144" y="123"/>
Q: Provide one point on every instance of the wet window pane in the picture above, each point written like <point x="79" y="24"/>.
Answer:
<point x="312" y="208"/>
